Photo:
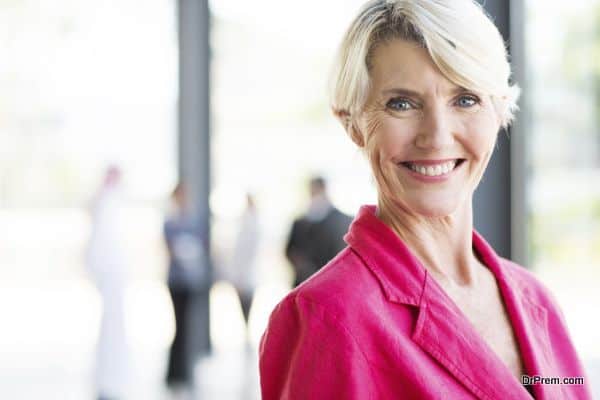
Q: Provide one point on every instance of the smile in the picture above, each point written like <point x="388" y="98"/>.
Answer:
<point x="433" y="168"/>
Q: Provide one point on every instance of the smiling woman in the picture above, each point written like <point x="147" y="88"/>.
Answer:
<point x="416" y="123"/>
<point x="419" y="306"/>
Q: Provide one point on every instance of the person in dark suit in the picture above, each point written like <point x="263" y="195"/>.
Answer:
<point x="317" y="236"/>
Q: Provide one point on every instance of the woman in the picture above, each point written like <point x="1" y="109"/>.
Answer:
<point x="419" y="306"/>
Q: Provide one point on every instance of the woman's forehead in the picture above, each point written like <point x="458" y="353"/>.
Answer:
<point x="400" y="64"/>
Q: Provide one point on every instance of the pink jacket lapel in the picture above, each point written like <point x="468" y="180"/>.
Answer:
<point x="529" y="321"/>
<point x="444" y="332"/>
<point x="441" y="328"/>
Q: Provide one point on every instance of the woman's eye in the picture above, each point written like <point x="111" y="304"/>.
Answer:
<point x="399" y="104"/>
<point x="467" y="101"/>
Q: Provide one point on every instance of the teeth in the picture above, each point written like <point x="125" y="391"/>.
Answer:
<point x="434" y="170"/>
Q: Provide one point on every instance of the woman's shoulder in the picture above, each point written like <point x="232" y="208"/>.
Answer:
<point x="312" y="347"/>
<point x="336" y="288"/>
<point x="343" y="279"/>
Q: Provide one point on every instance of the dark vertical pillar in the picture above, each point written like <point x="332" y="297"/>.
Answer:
<point x="492" y="199"/>
<point x="521" y="169"/>
<point x="194" y="142"/>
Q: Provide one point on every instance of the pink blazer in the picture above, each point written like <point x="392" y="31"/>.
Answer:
<point x="372" y="324"/>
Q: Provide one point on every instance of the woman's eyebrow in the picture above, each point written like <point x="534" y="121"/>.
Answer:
<point x="400" y="91"/>
<point x="458" y="90"/>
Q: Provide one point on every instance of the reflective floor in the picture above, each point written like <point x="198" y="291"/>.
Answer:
<point x="48" y="333"/>
<point x="47" y="336"/>
<point x="225" y="376"/>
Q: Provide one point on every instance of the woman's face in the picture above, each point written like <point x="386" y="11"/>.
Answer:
<point x="432" y="138"/>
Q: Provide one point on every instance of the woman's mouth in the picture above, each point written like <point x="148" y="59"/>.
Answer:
<point x="433" y="168"/>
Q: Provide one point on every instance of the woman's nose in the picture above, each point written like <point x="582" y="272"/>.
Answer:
<point x="435" y="131"/>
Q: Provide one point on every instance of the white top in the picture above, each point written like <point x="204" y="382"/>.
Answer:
<point x="242" y="267"/>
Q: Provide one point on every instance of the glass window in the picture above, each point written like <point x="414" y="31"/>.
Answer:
<point x="563" y="55"/>
<point x="272" y="127"/>
<point x="82" y="84"/>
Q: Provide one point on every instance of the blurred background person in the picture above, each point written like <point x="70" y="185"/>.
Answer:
<point x="317" y="236"/>
<point x="187" y="275"/>
<point x="241" y="271"/>
<point x="107" y="267"/>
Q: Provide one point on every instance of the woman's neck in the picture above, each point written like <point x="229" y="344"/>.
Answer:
<point x="442" y="244"/>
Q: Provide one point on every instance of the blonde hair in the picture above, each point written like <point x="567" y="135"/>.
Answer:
<point x="461" y="39"/>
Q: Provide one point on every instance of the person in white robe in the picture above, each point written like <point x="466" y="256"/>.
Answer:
<point x="107" y="267"/>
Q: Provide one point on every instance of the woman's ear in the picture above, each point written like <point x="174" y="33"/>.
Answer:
<point x="350" y="126"/>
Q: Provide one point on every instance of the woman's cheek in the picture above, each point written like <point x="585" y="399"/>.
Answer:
<point x="394" y="137"/>
<point x="481" y="135"/>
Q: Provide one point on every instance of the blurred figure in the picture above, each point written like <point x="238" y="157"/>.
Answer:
<point x="242" y="270"/>
<point x="316" y="237"/>
<point x="187" y="276"/>
<point x="105" y="261"/>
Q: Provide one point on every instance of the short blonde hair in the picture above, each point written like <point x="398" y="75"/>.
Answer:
<point x="461" y="39"/>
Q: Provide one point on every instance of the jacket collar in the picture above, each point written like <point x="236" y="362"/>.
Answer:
<point x="404" y="280"/>
<point x="383" y="252"/>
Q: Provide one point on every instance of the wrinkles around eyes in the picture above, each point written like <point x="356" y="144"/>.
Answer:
<point x="372" y="125"/>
